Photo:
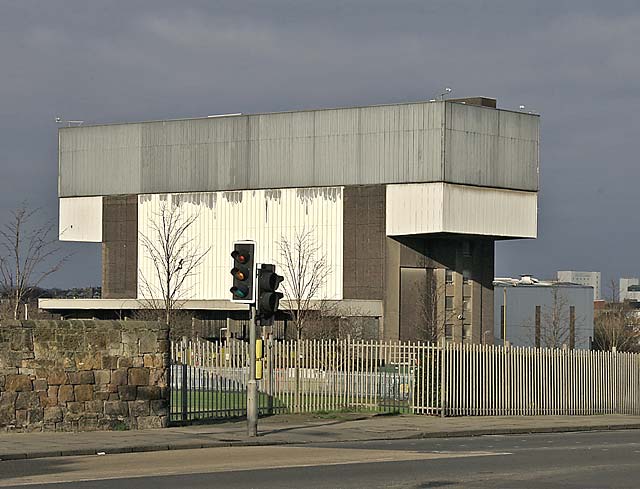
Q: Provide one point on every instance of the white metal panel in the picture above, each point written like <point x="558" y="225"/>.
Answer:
<point x="81" y="219"/>
<point x="414" y="209"/>
<point x="490" y="212"/>
<point x="265" y="216"/>
<point x="430" y="208"/>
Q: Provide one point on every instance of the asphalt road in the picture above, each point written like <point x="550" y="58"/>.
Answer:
<point x="567" y="460"/>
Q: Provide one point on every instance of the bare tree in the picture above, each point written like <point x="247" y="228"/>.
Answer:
<point x="175" y="256"/>
<point x="29" y="253"/>
<point x="305" y="271"/>
<point x="554" y="330"/>
<point x="617" y="326"/>
<point x="333" y="320"/>
<point x="433" y="318"/>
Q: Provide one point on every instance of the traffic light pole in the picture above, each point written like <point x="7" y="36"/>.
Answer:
<point x="252" y="384"/>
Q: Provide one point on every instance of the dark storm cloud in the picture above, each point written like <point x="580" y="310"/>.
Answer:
<point x="576" y="63"/>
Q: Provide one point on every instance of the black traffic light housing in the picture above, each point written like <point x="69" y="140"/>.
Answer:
<point x="244" y="272"/>
<point x="268" y="298"/>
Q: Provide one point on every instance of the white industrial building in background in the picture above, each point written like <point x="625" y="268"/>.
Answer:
<point x="399" y="198"/>
<point x="629" y="289"/>
<point x="530" y="312"/>
<point x="590" y="279"/>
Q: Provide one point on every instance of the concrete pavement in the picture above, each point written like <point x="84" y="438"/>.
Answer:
<point x="296" y="429"/>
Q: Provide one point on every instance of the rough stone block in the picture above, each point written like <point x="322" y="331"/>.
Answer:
<point x="138" y="376"/>
<point x="163" y="346"/>
<point x="147" y="342"/>
<point x="94" y="407"/>
<point x="88" y="361"/>
<point x="75" y="407"/>
<point x="151" y="422"/>
<point x="137" y="361"/>
<point x="102" y="376"/>
<point x="57" y="377"/>
<point x="116" y="408"/>
<point x="159" y="407"/>
<point x="65" y="394"/>
<point x="34" y="418"/>
<point x="119" y="377"/>
<point x="158" y="376"/>
<point x="40" y="385"/>
<point x="18" y="383"/>
<point x="125" y="362"/>
<point x="138" y="408"/>
<point x="27" y="400"/>
<point x="87" y="423"/>
<point x="82" y="377"/>
<point x="84" y="392"/>
<point x="8" y="408"/>
<point x="53" y="415"/>
<point x="21" y="417"/>
<point x="149" y="392"/>
<point x="22" y="340"/>
<point x="46" y="401"/>
<point x="102" y="396"/>
<point x="109" y="362"/>
<point x="130" y="343"/>
<point x="52" y="392"/>
<point x="26" y="369"/>
<point x="127" y="392"/>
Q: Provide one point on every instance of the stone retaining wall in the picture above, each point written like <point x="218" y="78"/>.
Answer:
<point x="83" y="375"/>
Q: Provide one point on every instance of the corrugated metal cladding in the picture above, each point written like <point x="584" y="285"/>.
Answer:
<point x="353" y="146"/>
<point x="491" y="148"/>
<point x="265" y="216"/>
<point x="432" y="208"/>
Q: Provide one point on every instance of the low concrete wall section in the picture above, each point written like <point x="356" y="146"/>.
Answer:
<point x="83" y="375"/>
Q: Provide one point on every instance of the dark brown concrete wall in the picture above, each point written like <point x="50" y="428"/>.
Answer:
<point x="438" y="254"/>
<point x="119" y="246"/>
<point x="364" y="242"/>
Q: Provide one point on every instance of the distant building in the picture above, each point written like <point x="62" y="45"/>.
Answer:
<point x="529" y="312"/>
<point x="630" y="289"/>
<point x="591" y="279"/>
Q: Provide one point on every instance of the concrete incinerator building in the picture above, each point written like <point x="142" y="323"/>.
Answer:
<point x="396" y="196"/>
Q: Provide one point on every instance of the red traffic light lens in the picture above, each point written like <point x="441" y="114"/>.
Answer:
<point x="241" y="258"/>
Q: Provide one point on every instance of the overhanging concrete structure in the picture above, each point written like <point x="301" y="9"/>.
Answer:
<point x="397" y="196"/>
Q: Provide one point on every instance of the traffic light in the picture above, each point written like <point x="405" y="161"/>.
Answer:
<point x="268" y="298"/>
<point x="243" y="271"/>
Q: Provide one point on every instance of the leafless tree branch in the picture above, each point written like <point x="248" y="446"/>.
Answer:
<point x="175" y="257"/>
<point x="29" y="253"/>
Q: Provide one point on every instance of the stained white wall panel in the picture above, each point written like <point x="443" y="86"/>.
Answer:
<point x="265" y="216"/>
<point x="81" y="219"/>
<point x="431" y="208"/>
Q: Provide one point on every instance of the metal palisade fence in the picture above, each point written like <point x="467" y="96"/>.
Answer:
<point x="209" y="379"/>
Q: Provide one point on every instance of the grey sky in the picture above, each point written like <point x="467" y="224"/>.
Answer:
<point x="577" y="63"/>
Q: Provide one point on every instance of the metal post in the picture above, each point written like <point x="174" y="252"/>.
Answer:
<point x="183" y="390"/>
<point x="252" y="385"/>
